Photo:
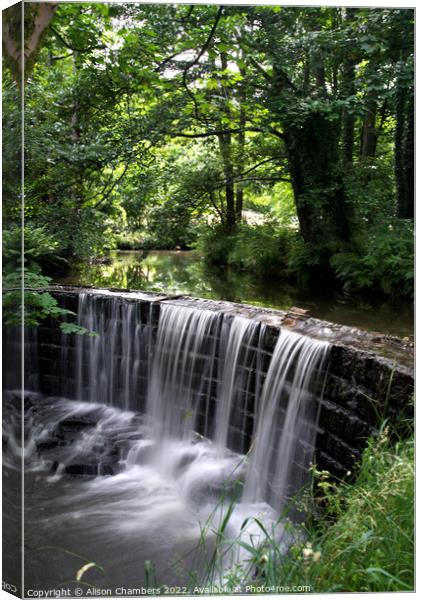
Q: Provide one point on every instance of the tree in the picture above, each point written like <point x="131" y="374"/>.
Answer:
<point x="260" y="99"/>
<point x="37" y="17"/>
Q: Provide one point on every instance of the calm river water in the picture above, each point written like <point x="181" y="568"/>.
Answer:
<point x="180" y="272"/>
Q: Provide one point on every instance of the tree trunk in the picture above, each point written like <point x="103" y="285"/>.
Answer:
<point x="348" y="90"/>
<point x="312" y="148"/>
<point x="408" y="158"/>
<point x="37" y="18"/>
<point x="239" y="200"/>
<point x="404" y="153"/>
<point x="369" y="131"/>
<point x="348" y="118"/>
<point x="225" y="142"/>
<point x="324" y="215"/>
<point x="239" y="190"/>
<point x="401" y="191"/>
<point x="225" y="147"/>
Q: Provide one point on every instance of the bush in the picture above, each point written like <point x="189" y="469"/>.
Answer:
<point x="383" y="261"/>
<point x="40" y="248"/>
<point x="366" y="541"/>
<point x="370" y="188"/>
<point x="260" y="249"/>
<point x="169" y="225"/>
<point x="129" y="241"/>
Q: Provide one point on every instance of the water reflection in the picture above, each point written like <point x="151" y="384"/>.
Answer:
<point x="179" y="272"/>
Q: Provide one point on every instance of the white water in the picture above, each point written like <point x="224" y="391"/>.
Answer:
<point x="286" y="421"/>
<point x="231" y="382"/>
<point x="181" y="369"/>
<point x="108" y="364"/>
<point x="191" y="348"/>
<point x="172" y="488"/>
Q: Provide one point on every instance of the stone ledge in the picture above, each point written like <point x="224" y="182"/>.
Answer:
<point x="391" y="350"/>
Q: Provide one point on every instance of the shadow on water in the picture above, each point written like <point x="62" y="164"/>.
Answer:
<point x="181" y="272"/>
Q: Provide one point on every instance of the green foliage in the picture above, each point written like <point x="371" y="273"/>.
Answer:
<point x="169" y="226"/>
<point x="127" y="240"/>
<point x="365" y="541"/>
<point x="370" y="188"/>
<point x="37" y="305"/>
<point x="216" y="245"/>
<point x="306" y="262"/>
<point x="153" y="125"/>
<point x="40" y="246"/>
<point x="23" y="283"/>
<point x="260" y="249"/>
<point x="91" y="235"/>
<point x="383" y="261"/>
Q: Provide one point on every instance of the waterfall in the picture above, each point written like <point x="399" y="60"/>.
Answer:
<point x="203" y="372"/>
<point x="181" y="370"/>
<point x="13" y="337"/>
<point x="283" y="441"/>
<point x="110" y="360"/>
<point x="172" y="434"/>
<point x="231" y="382"/>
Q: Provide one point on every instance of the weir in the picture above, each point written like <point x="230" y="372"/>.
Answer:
<point x="367" y="377"/>
<point x="198" y="373"/>
<point x="175" y="417"/>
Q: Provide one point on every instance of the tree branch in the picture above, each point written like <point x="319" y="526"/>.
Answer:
<point x="228" y="131"/>
<point x="221" y="184"/>
<point x="165" y="62"/>
<point x="261" y="70"/>
<point x="208" y="41"/>
<point x="108" y="193"/>
<point x="70" y="47"/>
<point x="196" y="60"/>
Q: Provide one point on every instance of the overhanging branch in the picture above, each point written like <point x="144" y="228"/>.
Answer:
<point x="227" y="131"/>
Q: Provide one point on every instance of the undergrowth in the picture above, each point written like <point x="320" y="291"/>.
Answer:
<point x="365" y="540"/>
<point x="379" y="261"/>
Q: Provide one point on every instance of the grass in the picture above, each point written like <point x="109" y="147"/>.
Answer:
<point x="362" y="539"/>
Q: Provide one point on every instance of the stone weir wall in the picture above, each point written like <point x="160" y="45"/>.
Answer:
<point x="369" y="376"/>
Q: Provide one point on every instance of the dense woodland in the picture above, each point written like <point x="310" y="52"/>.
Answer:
<point x="278" y="140"/>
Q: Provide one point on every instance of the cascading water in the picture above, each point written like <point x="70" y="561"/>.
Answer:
<point x="109" y="362"/>
<point x="181" y="370"/>
<point x="231" y="382"/>
<point x="287" y="415"/>
<point x="164" y="413"/>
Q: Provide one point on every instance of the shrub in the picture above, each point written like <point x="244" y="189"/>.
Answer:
<point x="40" y="248"/>
<point x="260" y="249"/>
<point x="383" y="261"/>
<point x="169" y="226"/>
<point x="129" y="241"/>
<point x="366" y="543"/>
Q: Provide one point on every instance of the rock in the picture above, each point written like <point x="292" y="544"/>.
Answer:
<point x="298" y="312"/>
<point x="47" y="445"/>
<point x="69" y="429"/>
<point x="81" y="470"/>
<point x="106" y="470"/>
<point x="77" y="423"/>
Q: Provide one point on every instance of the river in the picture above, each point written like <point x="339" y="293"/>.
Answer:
<point x="183" y="272"/>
